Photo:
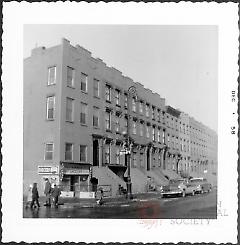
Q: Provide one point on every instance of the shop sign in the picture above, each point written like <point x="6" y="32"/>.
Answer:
<point x="87" y="194"/>
<point x="47" y="170"/>
<point x="72" y="171"/>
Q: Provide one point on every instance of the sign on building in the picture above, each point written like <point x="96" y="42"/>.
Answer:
<point x="47" y="170"/>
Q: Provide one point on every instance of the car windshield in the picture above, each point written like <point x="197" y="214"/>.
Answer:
<point x="175" y="181"/>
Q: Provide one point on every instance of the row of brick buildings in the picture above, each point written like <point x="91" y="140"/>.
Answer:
<point x="75" y="125"/>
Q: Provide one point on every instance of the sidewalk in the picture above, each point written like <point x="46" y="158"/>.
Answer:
<point x="108" y="201"/>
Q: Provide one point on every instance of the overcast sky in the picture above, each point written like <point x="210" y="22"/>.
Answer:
<point x="178" y="62"/>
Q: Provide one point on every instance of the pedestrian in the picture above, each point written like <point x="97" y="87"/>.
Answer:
<point x="100" y="196"/>
<point x="35" y="196"/>
<point x="47" y="192"/>
<point x="29" y="196"/>
<point x="55" y="195"/>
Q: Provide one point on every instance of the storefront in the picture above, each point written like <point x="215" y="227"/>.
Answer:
<point x="48" y="172"/>
<point x="75" y="178"/>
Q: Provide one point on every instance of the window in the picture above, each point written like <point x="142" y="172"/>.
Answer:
<point x="117" y="97"/>
<point x="117" y="155"/>
<point x="159" y="135"/>
<point x="48" y="151"/>
<point x="141" y="129"/>
<point x="51" y="75"/>
<point x="163" y="136"/>
<point x="125" y="100"/>
<point x="117" y="124"/>
<point x="134" y="127"/>
<point x="134" y="104"/>
<point x="147" y="132"/>
<point x="153" y="134"/>
<point x="107" y="154"/>
<point x="153" y="113"/>
<point x="69" y="110"/>
<point x="68" y="151"/>
<point x="50" y="107"/>
<point x="70" y="76"/>
<point x="108" y="120"/>
<point x="159" y="115"/>
<point x="95" y="117"/>
<point x="168" y="140"/>
<point x="83" y="114"/>
<point x="141" y="107"/>
<point x="147" y="110"/>
<point x="134" y="159"/>
<point x="83" y="153"/>
<point x="95" y="87"/>
<point x="83" y="82"/>
<point x="141" y="160"/>
<point x="108" y="93"/>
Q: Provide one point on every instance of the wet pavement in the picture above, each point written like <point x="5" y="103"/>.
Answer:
<point x="190" y="207"/>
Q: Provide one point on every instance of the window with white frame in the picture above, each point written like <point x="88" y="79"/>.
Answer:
<point x="117" y="123"/>
<point x="69" y="110"/>
<point x="147" y="131"/>
<point x="134" y="159"/>
<point x="83" y="153"/>
<point x="108" y="92"/>
<point x="158" y="135"/>
<point x="70" y="76"/>
<point x="134" y="127"/>
<point x="141" y="129"/>
<point x="108" y="120"/>
<point x="141" y="107"/>
<point x="134" y="104"/>
<point x="147" y="110"/>
<point x="117" y="97"/>
<point x="50" y="107"/>
<point x="153" y="134"/>
<point x="83" y="82"/>
<point x="95" y="117"/>
<point x="125" y="100"/>
<point x="49" y="147"/>
<point x="95" y="87"/>
<point x="153" y="113"/>
<point x="83" y="114"/>
<point x="117" y="155"/>
<point x="107" y="153"/>
<point x="163" y="136"/>
<point x="52" y="75"/>
<point x="68" y="151"/>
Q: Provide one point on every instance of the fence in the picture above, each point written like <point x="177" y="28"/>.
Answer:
<point x="75" y="190"/>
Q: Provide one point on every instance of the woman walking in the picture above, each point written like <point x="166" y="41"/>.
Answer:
<point x="35" y="195"/>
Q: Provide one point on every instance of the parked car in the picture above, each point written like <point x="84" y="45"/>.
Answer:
<point x="201" y="184"/>
<point x="177" y="187"/>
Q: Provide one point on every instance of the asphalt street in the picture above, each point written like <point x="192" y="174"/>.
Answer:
<point x="189" y="207"/>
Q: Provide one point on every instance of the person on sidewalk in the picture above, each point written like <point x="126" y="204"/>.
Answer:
<point x="100" y="196"/>
<point x="47" y="192"/>
<point x="29" y="196"/>
<point x="35" y="196"/>
<point x="55" y="195"/>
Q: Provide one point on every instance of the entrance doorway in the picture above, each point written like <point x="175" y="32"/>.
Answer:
<point x="95" y="153"/>
<point x="74" y="182"/>
<point x="148" y="159"/>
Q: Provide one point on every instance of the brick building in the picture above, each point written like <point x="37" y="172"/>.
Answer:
<point x="75" y="125"/>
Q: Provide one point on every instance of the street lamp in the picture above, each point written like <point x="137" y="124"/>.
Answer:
<point x="132" y="92"/>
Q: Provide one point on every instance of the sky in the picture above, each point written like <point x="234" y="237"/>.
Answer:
<point x="178" y="62"/>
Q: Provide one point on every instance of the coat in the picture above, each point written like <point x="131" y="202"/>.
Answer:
<point x="35" y="193"/>
<point x="29" y="196"/>
<point x="47" y="189"/>
<point x="56" y="192"/>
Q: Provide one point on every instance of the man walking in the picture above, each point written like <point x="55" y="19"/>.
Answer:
<point x="47" y="192"/>
<point x="55" y="195"/>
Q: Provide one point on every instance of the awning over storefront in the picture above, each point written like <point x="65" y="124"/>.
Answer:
<point x="69" y="168"/>
<point x="118" y="169"/>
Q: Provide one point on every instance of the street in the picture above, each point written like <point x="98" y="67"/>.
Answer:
<point x="196" y="207"/>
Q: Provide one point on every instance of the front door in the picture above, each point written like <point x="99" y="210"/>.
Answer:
<point x="95" y="153"/>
